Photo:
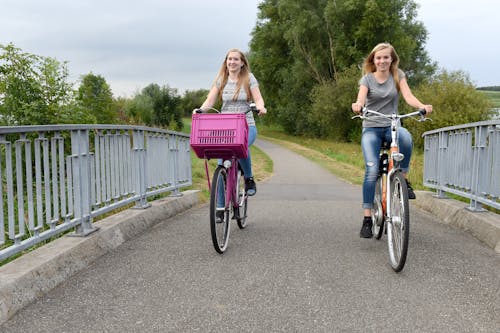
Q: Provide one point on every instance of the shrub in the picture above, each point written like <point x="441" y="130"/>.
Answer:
<point x="455" y="101"/>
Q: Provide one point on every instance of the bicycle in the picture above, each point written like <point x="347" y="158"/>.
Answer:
<point x="223" y="136"/>
<point x="391" y="207"/>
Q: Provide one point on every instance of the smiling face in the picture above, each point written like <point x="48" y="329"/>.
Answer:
<point x="234" y="62"/>
<point x="382" y="60"/>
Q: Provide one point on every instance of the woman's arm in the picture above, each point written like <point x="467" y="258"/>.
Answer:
<point x="211" y="99"/>
<point x="361" y="101"/>
<point x="410" y="98"/>
<point x="259" y="101"/>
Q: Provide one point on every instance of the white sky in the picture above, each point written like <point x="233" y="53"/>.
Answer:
<point x="182" y="42"/>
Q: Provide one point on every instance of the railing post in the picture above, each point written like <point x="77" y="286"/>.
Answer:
<point x="81" y="178"/>
<point x="441" y="161"/>
<point x="140" y="161"/>
<point x="174" y="148"/>
<point x="478" y="148"/>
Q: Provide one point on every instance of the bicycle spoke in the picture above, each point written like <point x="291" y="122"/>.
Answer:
<point x="398" y="232"/>
<point x="219" y="215"/>
<point x="242" y="203"/>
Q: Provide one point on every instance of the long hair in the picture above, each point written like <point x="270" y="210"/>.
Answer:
<point x="243" y="79"/>
<point x="369" y="65"/>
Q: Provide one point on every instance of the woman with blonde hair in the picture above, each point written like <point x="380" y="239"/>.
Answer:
<point x="379" y="89"/>
<point x="237" y="87"/>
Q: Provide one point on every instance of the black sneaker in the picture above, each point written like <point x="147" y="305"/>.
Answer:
<point x="366" y="229"/>
<point x="411" y="194"/>
<point x="219" y="216"/>
<point x="250" y="186"/>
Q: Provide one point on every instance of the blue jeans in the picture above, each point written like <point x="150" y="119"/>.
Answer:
<point x="245" y="163"/>
<point x="371" y="140"/>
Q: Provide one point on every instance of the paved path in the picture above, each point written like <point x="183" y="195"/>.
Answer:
<point x="300" y="266"/>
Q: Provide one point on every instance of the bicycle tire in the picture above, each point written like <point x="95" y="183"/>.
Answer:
<point x="241" y="217"/>
<point x="219" y="230"/>
<point x="378" y="215"/>
<point x="398" y="228"/>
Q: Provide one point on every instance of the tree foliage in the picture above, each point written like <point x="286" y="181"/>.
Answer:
<point x="33" y="89"/>
<point x="330" y="114"/>
<point x="455" y="100"/>
<point x="191" y="100"/>
<point x="299" y="46"/>
<point x="94" y="96"/>
<point x="157" y="106"/>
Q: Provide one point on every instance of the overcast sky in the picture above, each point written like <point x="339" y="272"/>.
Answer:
<point x="181" y="43"/>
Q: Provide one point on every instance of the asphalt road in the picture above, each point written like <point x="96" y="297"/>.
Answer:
<point x="299" y="266"/>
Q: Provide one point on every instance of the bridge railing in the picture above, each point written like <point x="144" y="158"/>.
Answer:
<point x="59" y="177"/>
<point x="465" y="160"/>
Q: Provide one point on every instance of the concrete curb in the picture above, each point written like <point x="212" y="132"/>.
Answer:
<point x="485" y="226"/>
<point x="35" y="273"/>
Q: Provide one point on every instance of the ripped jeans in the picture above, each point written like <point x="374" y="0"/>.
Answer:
<point x="371" y="140"/>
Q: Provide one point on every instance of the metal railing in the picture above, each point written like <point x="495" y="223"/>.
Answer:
<point x="59" y="177"/>
<point x="465" y="160"/>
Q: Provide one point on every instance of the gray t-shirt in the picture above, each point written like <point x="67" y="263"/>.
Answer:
<point x="382" y="97"/>
<point x="240" y="105"/>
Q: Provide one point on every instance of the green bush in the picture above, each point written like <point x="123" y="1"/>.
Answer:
<point x="455" y="101"/>
<point x="330" y="114"/>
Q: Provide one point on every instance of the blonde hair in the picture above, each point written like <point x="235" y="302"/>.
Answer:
<point x="243" y="79"/>
<point x="369" y="65"/>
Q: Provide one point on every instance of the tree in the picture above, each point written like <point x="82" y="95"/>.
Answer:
<point x="191" y="100"/>
<point x="94" y="95"/>
<point x="454" y="99"/>
<point x="298" y="45"/>
<point x="330" y="114"/>
<point x="33" y="89"/>
<point x="158" y="106"/>
<point x="140" y="110"/>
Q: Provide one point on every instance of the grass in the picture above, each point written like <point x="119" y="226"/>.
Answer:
<point x="262" y="167"/>
<point x="344" y="160"/>
<point x="494" y="96"/>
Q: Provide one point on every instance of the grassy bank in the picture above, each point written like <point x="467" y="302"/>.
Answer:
<point x="262" y="167"/>
<point x="494" y="96"/>
<point x="342" y="159"/>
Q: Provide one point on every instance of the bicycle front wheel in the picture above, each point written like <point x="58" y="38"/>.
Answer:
<point x="219" y="212"/>
<point x="398" y="228"/>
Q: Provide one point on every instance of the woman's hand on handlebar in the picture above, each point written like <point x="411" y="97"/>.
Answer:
<point x="262" y="111"/>
<point x="427" y="108"/>
<point x="252" y="107"/>
<point x="357" y="107"/>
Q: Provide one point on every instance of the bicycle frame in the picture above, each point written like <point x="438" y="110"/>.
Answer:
<point x="390" y="182"/>
<point x="232" y="182"/>
<point x="394" y="158"/>
<point x="223" y="137"/>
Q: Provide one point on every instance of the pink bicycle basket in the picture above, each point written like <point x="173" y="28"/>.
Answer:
<point x="219" y="135"/>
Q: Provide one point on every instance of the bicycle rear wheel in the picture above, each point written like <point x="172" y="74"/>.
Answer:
<point x="398" y="229"/>
<point x="378" y="215"/>
<point x="241" y="217"/>
<point x="219" y="215"/>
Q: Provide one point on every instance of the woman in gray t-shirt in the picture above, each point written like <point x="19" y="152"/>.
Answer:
<point x="236" y="86"/>
<point x="379" y="90"/>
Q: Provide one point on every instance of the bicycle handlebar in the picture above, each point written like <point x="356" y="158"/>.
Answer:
<point x="365" y="112"/>
<point x="251" y="107"/>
